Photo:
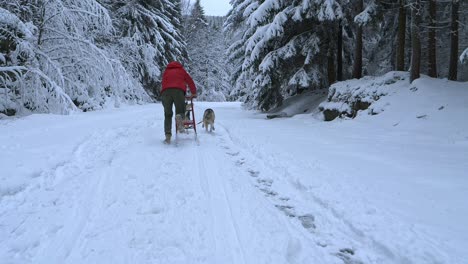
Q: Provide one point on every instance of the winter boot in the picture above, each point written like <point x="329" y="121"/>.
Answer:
<point x="168" y="139"/>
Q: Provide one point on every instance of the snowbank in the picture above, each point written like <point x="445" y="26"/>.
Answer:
<point x="348" y="97"/>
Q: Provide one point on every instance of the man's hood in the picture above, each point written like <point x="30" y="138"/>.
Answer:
<point x="174" y="64"/>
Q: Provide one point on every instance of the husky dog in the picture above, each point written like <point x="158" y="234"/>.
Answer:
<point x="208" y="119"/>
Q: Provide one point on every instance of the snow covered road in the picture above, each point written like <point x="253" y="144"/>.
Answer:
<point x="102" y="188"/>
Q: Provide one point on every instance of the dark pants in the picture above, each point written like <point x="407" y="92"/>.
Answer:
<point x="169" y="97"/>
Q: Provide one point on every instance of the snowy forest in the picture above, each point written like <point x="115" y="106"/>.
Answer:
<point x="60" y="56"/>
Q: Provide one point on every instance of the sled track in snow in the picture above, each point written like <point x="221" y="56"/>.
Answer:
<point x="88" y="158"/>
<point x="217" y="190"/>
<point x="64" y="199"/>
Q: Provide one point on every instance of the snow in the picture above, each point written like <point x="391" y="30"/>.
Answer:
<point x="100" y="187"/>
<point x="366" y="16"/>
<point x="329" y="10"/>
<point x="249" y="9"/>
<point x="261" y="13"/>
<point x="464" y="56"/>
<point x="7" y="19"/>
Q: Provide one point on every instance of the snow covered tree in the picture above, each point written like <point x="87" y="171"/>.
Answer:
<point x="150" y="36"/>
<point x="65" y="67"/>
<point x="234" y="28"/>
<point x="281" y="48"/>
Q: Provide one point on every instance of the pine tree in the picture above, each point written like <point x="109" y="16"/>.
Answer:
<point x="235" y="29"/>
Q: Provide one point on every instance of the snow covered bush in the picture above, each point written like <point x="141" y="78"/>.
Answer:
<point x="16" y="52"/>
<point x="347" y="98"/>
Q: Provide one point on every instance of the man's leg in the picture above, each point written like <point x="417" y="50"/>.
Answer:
<point x="167" y="102"/>
<point x="179" y="102"/>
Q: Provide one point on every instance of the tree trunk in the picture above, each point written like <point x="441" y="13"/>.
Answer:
<point x="400" y="64"/>
<point x="41" y="25"/>
<point x="415" y="40"/>
<point x="357" y="69"/>
<point x="454" y="41"/>
<point x="432" y="66"/>
<point x="331" y="49"/>
<point x="339" y="53"/>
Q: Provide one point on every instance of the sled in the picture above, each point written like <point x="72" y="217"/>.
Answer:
<point x="189" y="120"/>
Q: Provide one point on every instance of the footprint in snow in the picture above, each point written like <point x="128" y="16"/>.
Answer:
<point x="254" y="173"/>
<point x="240" y="162"/>
<point x="307" y="221"/>
<point x="286" y="209"/>
<point x="268" y="192"/>
<point x="347" y="255"/>
<point x="265" y="182"/>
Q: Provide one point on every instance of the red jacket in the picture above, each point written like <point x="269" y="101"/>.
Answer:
<point x="176" y="77"/>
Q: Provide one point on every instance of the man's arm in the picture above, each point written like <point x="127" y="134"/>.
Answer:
<point x="191" y="84"/>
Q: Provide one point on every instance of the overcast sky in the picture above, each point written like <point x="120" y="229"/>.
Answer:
<point x="216" y="7"/>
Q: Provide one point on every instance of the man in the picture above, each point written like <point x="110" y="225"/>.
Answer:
<point x="174" y="87"/>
